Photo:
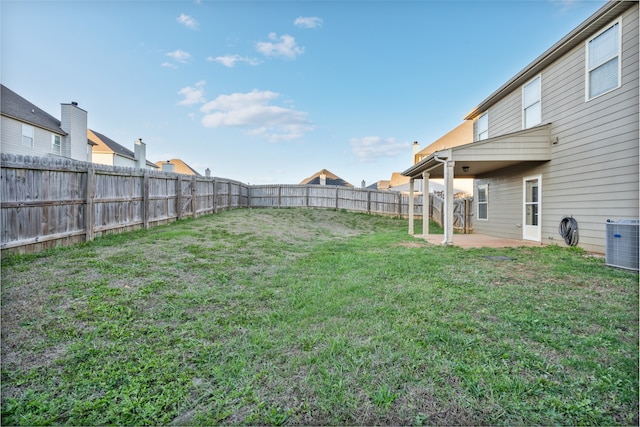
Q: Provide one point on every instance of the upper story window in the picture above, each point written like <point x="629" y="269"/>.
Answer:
<point x="531" y="103"/>
<point x="482" y="127"/>
<point x="56" y="144"/>
<point x="27" y="135"/>
<point x="603" y="61"/>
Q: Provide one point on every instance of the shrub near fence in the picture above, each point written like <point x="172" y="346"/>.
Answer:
<point x="46" y="202"/>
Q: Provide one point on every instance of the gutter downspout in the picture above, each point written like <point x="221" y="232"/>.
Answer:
<point x="448" y="199"/>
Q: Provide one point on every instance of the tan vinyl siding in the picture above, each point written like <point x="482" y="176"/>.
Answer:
<point x="594" y="171"/>
<point x="506" y="116"/>
<point x="504" y="203"/>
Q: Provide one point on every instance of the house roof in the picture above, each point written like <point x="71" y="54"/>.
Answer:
<point x="331" y="179"/>
<point x="460" y="135"/>
<point x="179" y="166"/>
<point x="18" y="108"/>
<point x="383" y="184"/>
<point x="607" y="13"/>
<point x="476" y="158"/>
<point x="104" y="144"/>
<point x="397" y="180"/>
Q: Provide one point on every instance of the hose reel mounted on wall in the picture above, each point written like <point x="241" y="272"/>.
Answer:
<point x="568" y="229"/>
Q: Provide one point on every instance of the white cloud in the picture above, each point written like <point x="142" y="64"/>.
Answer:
<point x="231" y="60"/>
<point x="168" y="65"/>
<point x="308" y="22"/>
<point x="286" y="47"/>
<point x="370" y="148"/>
<point x="253" y="111"/>
<point x="564" y="6"/>
<point x="193" y="95"/>
<point x="187" y="21"/>
<point x="179" y="56"/>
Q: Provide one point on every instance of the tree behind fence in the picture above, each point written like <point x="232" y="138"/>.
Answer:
<point x="48" y="202"/>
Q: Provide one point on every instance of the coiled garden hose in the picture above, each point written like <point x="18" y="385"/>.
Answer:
<point x="568" y="229"/>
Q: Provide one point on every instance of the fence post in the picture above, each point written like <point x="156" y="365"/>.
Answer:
<point x="399" y="205"/>
<point x="279" y="195"/>
<point x="145" y="199"/>
<point x="336" y="197"/>
<point x="229" y="195"/>
<point x="179" y="196"/>
<point x="194" y="196"/>
<point x="89" y="209"/>
<point x="307" y="196"/>
<point x="215" y="195"/>
<point x="369" y="202"/>
<point x="467" y="215"/>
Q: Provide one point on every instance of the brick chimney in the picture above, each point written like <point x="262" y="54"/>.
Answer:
<point x="140" y="153"/>
<point x="74" y="123"/>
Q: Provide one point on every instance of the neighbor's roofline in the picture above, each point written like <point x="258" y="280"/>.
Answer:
<point x="607" y="12"/>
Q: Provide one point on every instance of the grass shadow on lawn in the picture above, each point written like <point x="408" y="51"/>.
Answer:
<point x="314" y="317"/>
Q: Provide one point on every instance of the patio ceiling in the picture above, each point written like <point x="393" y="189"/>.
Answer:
<point x="477" y="158"/>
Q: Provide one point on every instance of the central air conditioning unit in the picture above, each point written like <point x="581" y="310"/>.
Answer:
<point x="622" y="244"/>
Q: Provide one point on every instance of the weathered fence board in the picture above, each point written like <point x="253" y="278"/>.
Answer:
<point x="462" y="212"/>
<point x="48" y="202"/>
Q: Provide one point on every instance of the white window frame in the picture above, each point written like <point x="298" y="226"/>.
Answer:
<point x="29" y="133"/>
<point x="484" y="187"/>
<point x="525" y="107"/>
<point x="56" y="147"/>
<point x="479" y="135"/>
<point x="538" y="203"/>
<point x="588" y="70"/>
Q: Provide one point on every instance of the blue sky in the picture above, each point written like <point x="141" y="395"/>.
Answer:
<point x="273" y="91"/>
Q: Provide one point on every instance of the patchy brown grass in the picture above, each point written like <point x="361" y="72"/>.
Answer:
<point x="305" y="317"/>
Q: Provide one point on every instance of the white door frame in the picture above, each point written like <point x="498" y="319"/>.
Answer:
<point x="532" y="224"/>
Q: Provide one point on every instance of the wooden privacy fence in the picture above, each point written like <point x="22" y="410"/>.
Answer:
<point x="47" y="202"/>
<point x="321" y="196"/>
<point x="462" y="212"/>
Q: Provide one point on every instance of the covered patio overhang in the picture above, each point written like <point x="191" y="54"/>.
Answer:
<point x="475" y="159"/>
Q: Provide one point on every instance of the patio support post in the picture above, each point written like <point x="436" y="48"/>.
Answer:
<point x="426" y="206"/>
<point x="448" y="201"/>
<point x="411" y="206"/>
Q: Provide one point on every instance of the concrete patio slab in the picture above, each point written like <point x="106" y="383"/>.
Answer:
<point x="477" y="241"/>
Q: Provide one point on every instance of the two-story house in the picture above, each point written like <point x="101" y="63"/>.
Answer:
<point x="559" y="139"/>
<point x="28" y="130"/>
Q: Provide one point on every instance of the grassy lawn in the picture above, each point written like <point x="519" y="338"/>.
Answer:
<point x="314" y="317"/>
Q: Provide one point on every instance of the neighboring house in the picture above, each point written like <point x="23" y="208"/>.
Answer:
<point x="558" y="139"/>
<point x="177" y="166"/>
<point x="30" y="131"/>
<point x="382" y="185"/>
<point x="460" y="135"/>
<point x="108" y="152"/>
<point x="324" y="177"/>
<point x="401" y="184"/>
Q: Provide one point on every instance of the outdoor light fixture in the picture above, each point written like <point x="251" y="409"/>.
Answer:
<point x="465" y="169"/>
